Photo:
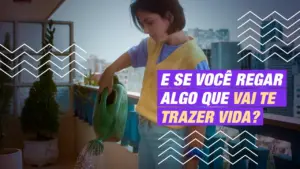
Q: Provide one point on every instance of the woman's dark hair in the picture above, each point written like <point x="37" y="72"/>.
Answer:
<point x="160" y="7"/>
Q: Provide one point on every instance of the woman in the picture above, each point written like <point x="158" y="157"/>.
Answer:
<point x="167" y="47"/>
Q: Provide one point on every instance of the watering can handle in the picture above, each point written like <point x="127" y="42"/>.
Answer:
<point x="118" y="88"/>
<point x="103" y="98"/>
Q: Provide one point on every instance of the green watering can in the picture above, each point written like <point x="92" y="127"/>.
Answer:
<point x="109" y="117"/>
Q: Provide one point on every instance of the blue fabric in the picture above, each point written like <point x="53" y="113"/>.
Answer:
<point x="139" y="55"/>
<point x="149" y="135"/>
<point x="154" y="150"/>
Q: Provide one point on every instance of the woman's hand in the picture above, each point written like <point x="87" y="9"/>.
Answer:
<point x="106" y="80"/>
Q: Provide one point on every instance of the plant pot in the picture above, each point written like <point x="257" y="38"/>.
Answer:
<point x="11" y="158"/>
<point x="40" y="153"/>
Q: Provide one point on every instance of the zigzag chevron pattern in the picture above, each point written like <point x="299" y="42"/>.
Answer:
<point x="218" y="132"/>
<point x="274" y="20"/>
<point x="48" y="45"/>
<point x="186" y="145"/>
<point x="48" y="53"/>
<point x="264" y="52"/>
<point x="272" y="13"/>
<point x="263" y="60"/>
<point x="274" y="29"/>
<point x="207" y="163"/>
<point x="36" y="68"/>
<point x="207" y="155"/>
<point x="37" y="52"/>
<point x="274" y="37"/>
<point x="37" y="76"/>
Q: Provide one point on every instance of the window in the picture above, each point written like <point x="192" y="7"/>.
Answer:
<point x="31" y="35"/>
<point x="6" y="27"/>
<point x="61" y="38"/>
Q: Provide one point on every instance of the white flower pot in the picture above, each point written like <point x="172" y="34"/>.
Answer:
<point x="11" y="158"/>
<point x="40" y="153"/>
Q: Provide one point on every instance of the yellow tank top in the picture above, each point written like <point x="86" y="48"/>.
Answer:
<point x="185" y="57"/>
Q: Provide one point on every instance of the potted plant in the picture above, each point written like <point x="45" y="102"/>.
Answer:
<point x="83" y="94"/>
<point x="9" y="157"/>
<point x="40" y="114"/>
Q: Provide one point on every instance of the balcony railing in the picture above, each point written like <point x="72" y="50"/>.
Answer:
<point x="278" y="127"/>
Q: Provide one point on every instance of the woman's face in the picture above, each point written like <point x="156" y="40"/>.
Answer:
<point x="154" y="25"/>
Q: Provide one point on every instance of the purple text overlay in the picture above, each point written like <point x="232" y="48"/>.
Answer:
<point x="218" y="97"/>
<point x="221" y="78"/>
<point x="227" y="116"/>
<point x="223" y="97"/>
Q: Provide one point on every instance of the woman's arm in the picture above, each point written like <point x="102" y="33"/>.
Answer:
<point x="135" y="57"/>
<point x="124" y="61"/>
